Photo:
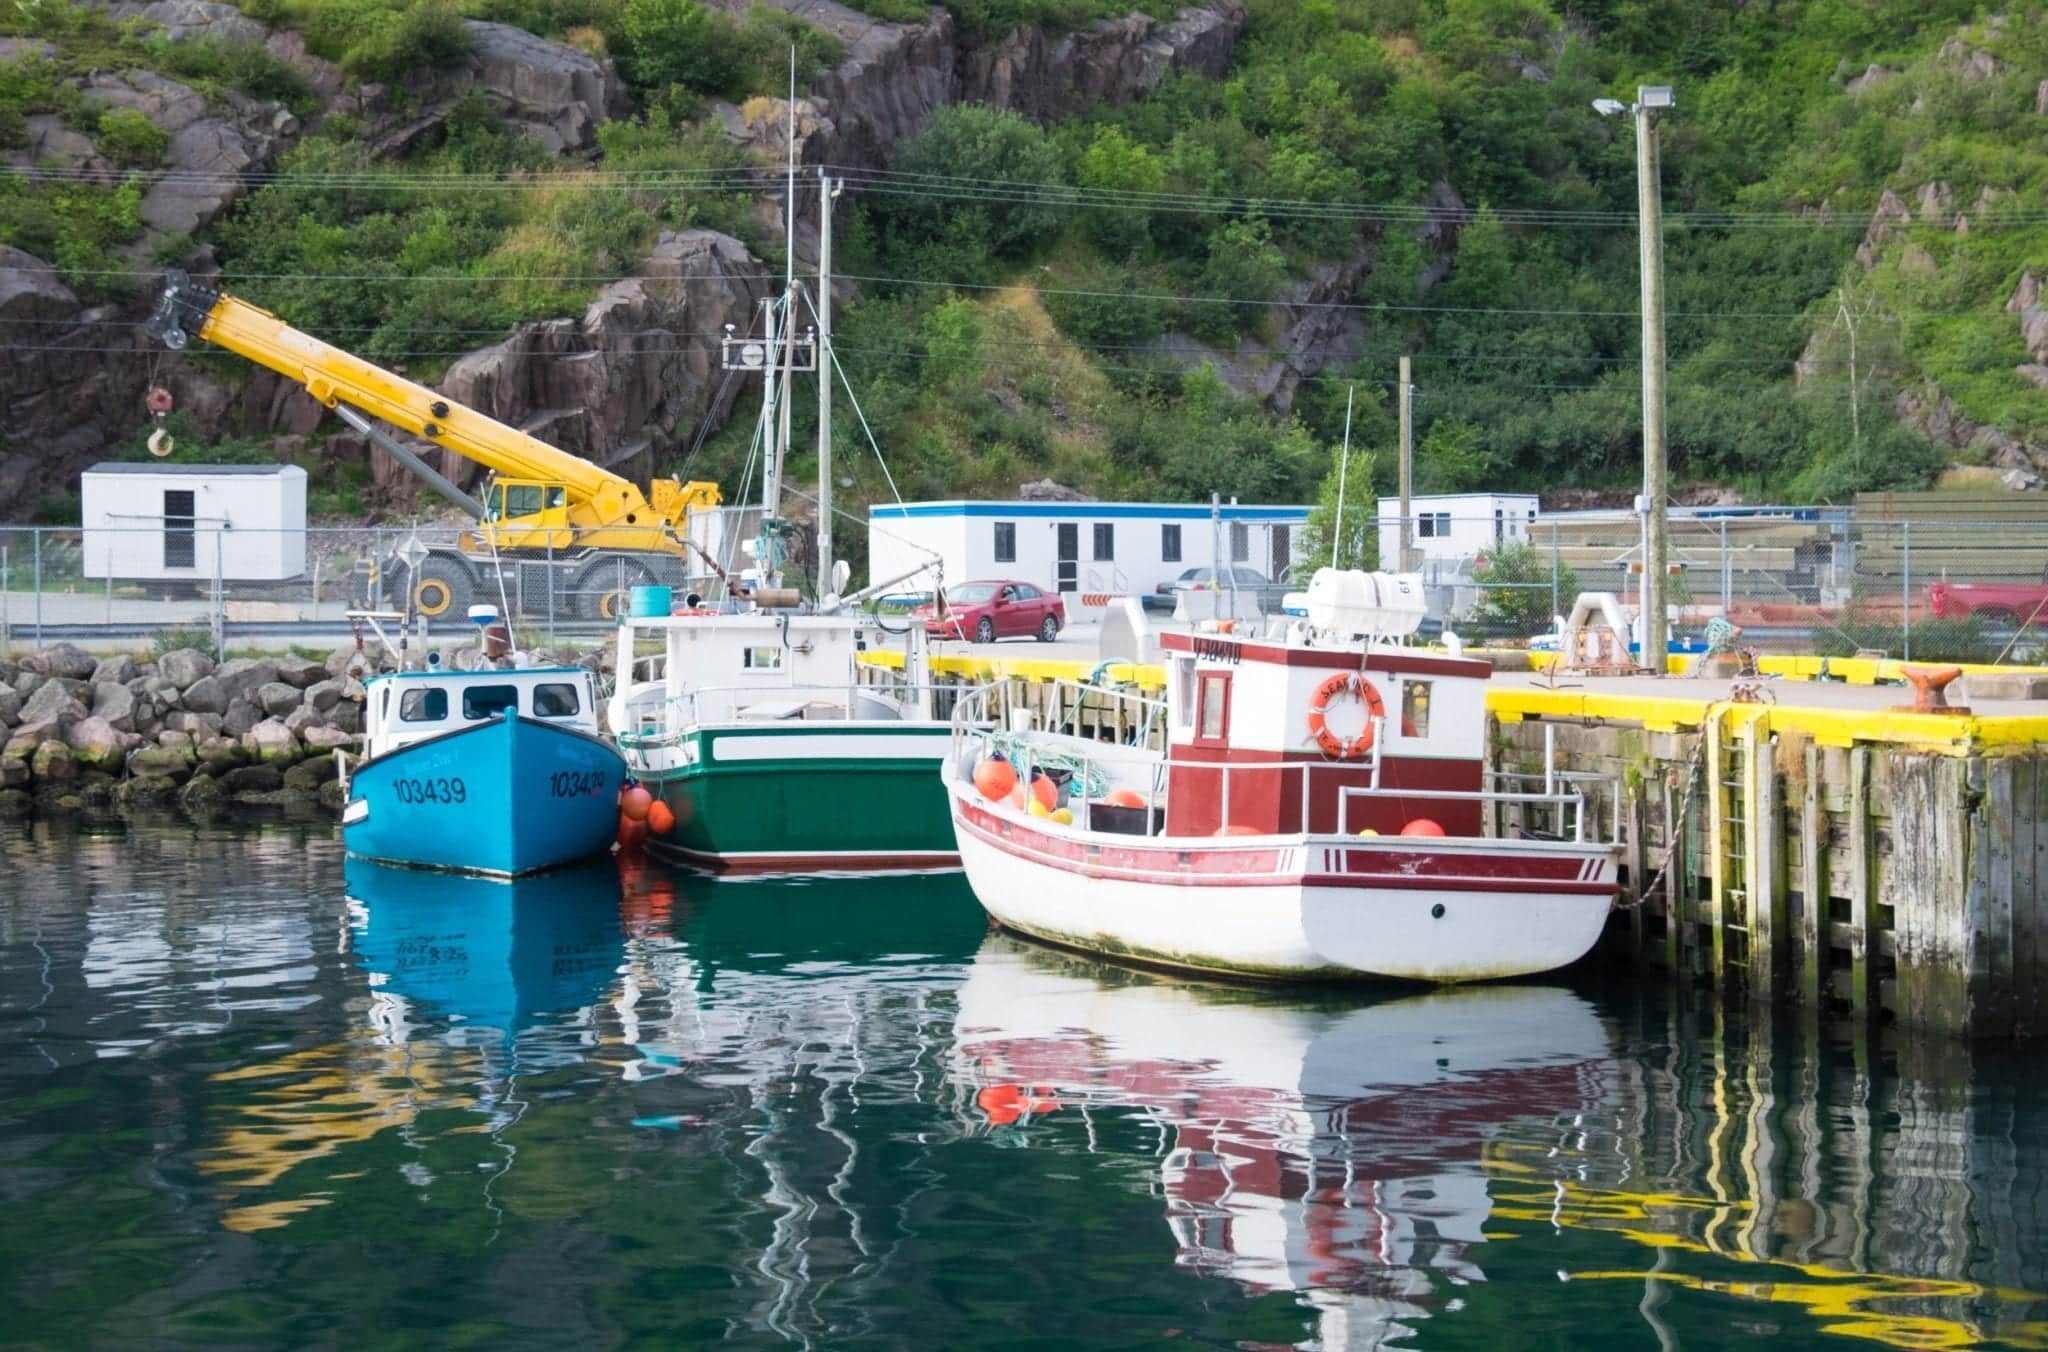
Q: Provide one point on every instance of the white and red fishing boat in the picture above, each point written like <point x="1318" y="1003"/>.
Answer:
<point x="1321" y="809"/>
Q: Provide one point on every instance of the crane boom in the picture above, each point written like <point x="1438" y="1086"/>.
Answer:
<point x="598" y="508"/>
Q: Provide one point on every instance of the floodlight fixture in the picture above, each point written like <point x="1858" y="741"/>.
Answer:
<point x="1609" y="107"/>
<point x="1655" y="96"/>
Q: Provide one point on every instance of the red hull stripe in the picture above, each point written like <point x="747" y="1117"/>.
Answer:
<point x="1260" y="868"/>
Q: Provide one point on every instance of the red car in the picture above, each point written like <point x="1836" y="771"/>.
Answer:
<point x="987" y="611"/>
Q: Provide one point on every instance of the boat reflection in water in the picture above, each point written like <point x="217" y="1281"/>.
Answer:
<point x="487" y="961"/>
<point x="1326" y="1148"/>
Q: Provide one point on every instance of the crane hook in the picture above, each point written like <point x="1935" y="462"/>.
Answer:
<point x="161" y="443"/>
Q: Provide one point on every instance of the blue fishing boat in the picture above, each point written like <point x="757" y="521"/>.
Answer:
<point x="499" y="772"/>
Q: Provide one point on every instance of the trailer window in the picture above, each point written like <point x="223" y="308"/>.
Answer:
<point x="429" y="705"/>
<point x="488" y="701"/>
<point x="555" y="701"/>
<point x="1415" y="708"/>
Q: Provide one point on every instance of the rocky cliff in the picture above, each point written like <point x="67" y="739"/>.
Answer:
<point x="635" y="374"/>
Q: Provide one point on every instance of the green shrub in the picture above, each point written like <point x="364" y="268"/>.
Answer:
<point x="1517" y="581"/>
<point x="687" y="43"/>
<point x="130" y="139"/>
<point x="172" y="638"/>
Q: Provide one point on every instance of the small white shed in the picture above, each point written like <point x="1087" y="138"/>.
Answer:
<point x="1455" y="525"/>
<point x="172" y="521"/>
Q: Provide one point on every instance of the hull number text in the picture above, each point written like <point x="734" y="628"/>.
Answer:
<point x="430" y="790"/>
<point x="577" y="783"/>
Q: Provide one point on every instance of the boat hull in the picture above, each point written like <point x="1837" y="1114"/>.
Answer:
<point x="1291" y="908"/>
<point x="803" y="797"/>
<point x="505" y="797"/>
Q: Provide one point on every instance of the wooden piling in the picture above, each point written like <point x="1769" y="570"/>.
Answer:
<point x="1813" y="886"/>
<point x="1862" y="938"/>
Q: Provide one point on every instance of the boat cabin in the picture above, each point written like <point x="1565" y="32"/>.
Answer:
<point x="1265" y="731"/>
<point x="759" y="666"/>
<point x="410" y="706"/>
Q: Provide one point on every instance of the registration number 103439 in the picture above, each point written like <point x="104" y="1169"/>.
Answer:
<point x="448" y="790"/>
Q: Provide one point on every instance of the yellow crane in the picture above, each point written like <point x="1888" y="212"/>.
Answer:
<point x="543" y="505"/>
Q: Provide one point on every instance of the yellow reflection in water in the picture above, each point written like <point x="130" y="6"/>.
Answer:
<point x="1842" y="1300"/>
<point x="306" y="1105"/>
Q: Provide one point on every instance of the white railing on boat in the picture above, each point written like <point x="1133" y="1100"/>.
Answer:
<point x="1566" y="807"/>
<point x="657" y="718"/>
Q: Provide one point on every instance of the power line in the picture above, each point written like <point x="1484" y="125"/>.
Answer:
<point x="957" y="188"/>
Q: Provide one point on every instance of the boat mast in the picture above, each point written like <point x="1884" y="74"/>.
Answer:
<point x="828" y="189"/>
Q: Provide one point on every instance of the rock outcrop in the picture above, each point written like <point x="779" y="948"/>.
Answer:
<point x="1048" y="75"/>
<point x="638" y="371"/>
<point x="1935" y="414"/>
<point x="1316" y="327"/>
<point x="185" y="19"/>
<point x="209" y="151"/>
<point x="553" y="92"/>
<point x="2025" y="303"/>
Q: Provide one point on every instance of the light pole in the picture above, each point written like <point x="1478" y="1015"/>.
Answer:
<point x="1650" y="100"/>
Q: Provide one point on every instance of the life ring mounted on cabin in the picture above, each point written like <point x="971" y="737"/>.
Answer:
<point x="1345" y="683"/>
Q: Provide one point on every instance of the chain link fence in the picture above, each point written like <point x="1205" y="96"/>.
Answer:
<point x="210" y="586"/>
<point x="1831" y="580"/>
<point x="1826" y="580"/>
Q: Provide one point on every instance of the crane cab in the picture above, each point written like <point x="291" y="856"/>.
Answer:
<point x="528" y="514"/>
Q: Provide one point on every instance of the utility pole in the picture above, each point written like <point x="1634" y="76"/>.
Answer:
<point x="1403" y="559"/>
<point x="1650" y="213"/>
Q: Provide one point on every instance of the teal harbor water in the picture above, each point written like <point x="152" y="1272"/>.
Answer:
<point x="253" y="1096"/>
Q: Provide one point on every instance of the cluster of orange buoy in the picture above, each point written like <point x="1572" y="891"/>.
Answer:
<point x="639" y="813"/>
<point x="998" y="781"/>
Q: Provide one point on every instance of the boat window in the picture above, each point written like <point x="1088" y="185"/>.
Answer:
<point x="762" y="659"/>
<point x="1184" y="691"/>
<point x="555" y="701"/>
<point x="488" y="701"/>
<point x="428" y="705"/>
<point x="1215" y="706"/>
<point x="1415" y="708"/>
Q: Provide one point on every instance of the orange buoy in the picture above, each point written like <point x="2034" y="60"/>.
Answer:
<point x="1005" y="1103"/>
<point x="660" y="820"/>
<point x="1019" y="796"/>
<point x="1124" y="798"/>
<point x="632" y="832"/>
<point x="1422" y="826"/>
<point x="634" y="803"/>
<point x="1045" y="791"/>
<point x="1235" y="829"/>
<point x="995" y="777"/>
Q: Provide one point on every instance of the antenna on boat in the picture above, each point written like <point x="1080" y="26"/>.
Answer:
<point x="1343" y="464"/>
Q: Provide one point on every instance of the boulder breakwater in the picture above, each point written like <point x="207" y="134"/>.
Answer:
<point x="81" y="731"/>
<point x="84" y="731"/>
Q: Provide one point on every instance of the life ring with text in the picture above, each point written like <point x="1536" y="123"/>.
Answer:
<point x="698" y="610"/>
<point x="1355" y="685"/>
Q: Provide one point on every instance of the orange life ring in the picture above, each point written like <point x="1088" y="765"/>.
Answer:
<point x="1344" y="683"/>
<point x="700" y="611"/>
